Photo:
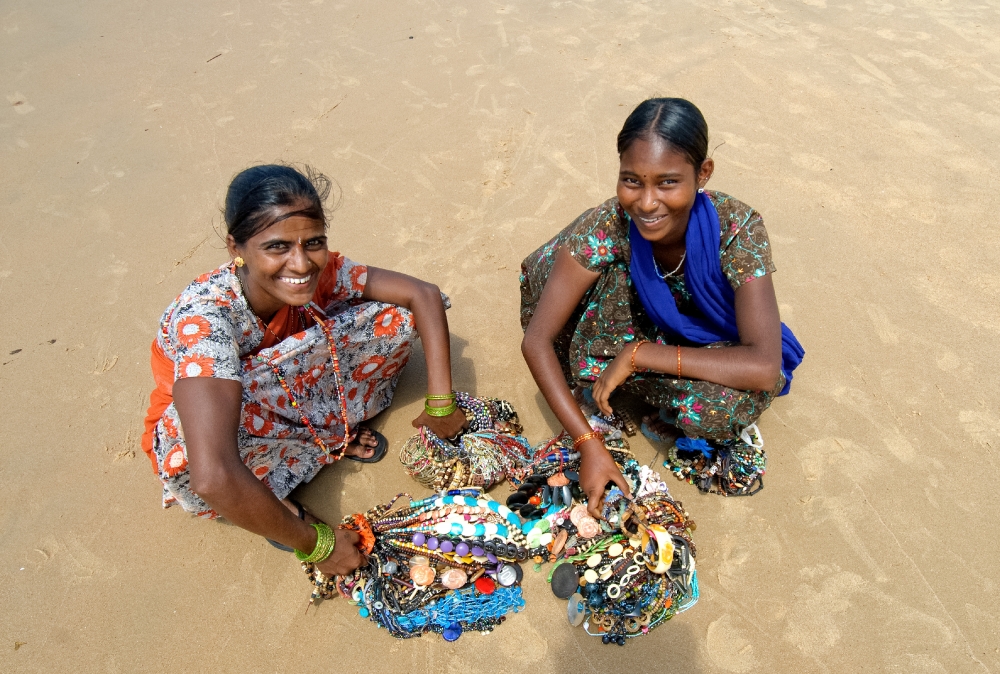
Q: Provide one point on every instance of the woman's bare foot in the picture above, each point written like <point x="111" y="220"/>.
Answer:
<point x="364" y="444"/>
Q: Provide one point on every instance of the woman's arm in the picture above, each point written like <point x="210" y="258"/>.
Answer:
<point x="753" y="365"/>
<point x="424" y="300"/>
<point x="567" y="283"/>
<point x="209" y="410"/>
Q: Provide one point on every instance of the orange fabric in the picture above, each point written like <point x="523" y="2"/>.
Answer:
<point x="284" y="324"/>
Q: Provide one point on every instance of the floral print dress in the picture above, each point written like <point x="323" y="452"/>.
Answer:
<point x="210" y="331"/>
<point x="611" y="315"/>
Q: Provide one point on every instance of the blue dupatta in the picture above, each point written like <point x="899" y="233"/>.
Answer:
<point x="708" y="285"/>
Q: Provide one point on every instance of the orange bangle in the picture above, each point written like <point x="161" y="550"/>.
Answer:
<point x="678" y="361"/>
<point x="636" y="348"/>
<point x="586" y="436"/>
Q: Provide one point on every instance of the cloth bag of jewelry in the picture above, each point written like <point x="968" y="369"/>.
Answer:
<point x="446" y="564"/>
<point x="624" y="574"/>
<point x="481" y="456"/>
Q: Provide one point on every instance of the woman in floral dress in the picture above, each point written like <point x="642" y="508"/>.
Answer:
<point x="267" y="367"/>
<point x="665" y="291"/>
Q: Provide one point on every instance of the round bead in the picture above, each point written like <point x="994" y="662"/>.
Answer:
<point x="452" y="632"/>
<point x="453" y="579"/>
<point x="485" y="585"/>
<point x="432" y="543"/>
<point x="422" y="575"/>
<point x="588" y="527"/>
<point x="565" y="581"/>
<point x="456" y="529"/>
<point x="446" y="546"/>
<point x="508" y="575"/>
<point x="594" y="561"/>
<point x="477" y="551"/>
<point x="591" y="576"/>
<point x="479" y="531"/>
<point x="419" y="538"/>
<point x="615" y="550"/>
<point x="462" y="549"/>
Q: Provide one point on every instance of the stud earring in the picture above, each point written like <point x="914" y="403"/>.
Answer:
<point x="238" y="261"/>
<point x="701" y="190"/>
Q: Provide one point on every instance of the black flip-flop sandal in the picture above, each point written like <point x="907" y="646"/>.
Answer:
<point x="380" y="449"/>
<point x="302" y="516"/>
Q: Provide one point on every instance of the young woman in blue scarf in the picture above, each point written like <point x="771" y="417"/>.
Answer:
<point x="664" y="291"/>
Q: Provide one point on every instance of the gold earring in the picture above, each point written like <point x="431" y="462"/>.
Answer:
<point x="238" y="261"/>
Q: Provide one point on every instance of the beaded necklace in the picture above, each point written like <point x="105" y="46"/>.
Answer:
<point x="339" y="452"/>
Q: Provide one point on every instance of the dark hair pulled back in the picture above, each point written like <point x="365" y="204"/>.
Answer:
<point x="255" y="195"/>
<point x="676" y="120"/>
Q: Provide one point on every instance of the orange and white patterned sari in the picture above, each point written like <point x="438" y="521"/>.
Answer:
<point x="210" y="331"/>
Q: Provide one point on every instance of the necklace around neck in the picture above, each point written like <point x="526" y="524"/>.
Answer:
<point x="659" y="271"/>
<point x="301" y="310"/>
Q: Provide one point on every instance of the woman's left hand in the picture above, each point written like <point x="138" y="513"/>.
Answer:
<point x="614" y="375"/>
<point x="443" y="427"/>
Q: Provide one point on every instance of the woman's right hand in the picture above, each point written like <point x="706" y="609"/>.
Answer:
<point x="597" y="468"/>
<point x="345" y="557"/>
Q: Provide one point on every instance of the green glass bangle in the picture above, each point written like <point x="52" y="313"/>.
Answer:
<point x="444" y="396"/>
<point x="441" y="411"/>
<point x="326" y="541"/>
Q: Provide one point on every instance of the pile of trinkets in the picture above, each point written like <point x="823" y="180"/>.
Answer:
<point x="481" y="456"/>
<point x="731" y="469"/>
<point x="444" y="564"/>
<point x="622" y="575"/>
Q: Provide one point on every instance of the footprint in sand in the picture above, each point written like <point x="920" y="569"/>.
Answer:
<point x="728" y="646"/>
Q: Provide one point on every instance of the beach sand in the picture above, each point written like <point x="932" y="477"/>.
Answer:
<point x="463" y="135"/>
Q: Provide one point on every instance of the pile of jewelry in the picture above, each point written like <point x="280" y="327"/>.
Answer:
<point x="481" y="456"/>
<point x="444" y="564"/>
<point x="621" y="575"/>
<point x="731" y="469"/>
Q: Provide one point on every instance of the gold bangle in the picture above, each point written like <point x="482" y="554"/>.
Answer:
<point x="636" y="348"/>
<point x="593" y="435"/>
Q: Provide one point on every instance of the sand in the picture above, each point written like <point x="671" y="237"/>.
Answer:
<point x="463" y="135"/>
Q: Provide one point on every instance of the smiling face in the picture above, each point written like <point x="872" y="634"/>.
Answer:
<point x="657" y="187"/>
<point x="282" y="262"/>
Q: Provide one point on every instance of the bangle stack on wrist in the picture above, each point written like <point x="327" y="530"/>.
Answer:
<point x="593" y="435"/>
<point x="445" y="411"/>
<point x="326" y="541"/>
